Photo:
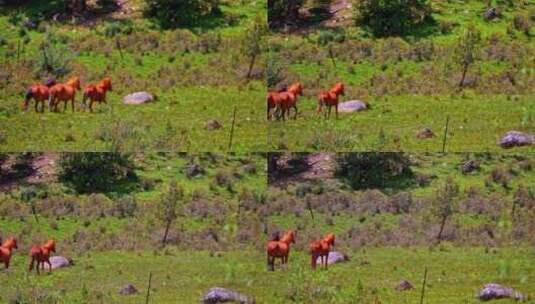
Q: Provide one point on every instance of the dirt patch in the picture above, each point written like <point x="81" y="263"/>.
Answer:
<point x="318" y="166"/>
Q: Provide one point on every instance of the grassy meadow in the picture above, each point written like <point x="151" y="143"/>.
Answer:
<point x="196" y="73"/>
<point x="411" y="82"/>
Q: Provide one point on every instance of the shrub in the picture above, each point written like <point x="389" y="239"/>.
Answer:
<point x="54" y="58"/>
<point x="373" y="170"/>
<point x="391" y="18"/>
<point x="522" y="22"/>
<point x="173" y="13"/>
<point x="96" y="172"/>
<point x="274" y="70"/>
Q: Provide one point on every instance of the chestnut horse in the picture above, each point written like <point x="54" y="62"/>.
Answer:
<point x="280" y="249"/>
<point x="321" y="249"/>
<point x="6" y="250"/>
<point x="330" y="99"/>
<point x="274" y="99"/>
<point x="97" y="93"/>
<point x="286" y="104"/>
<point x="41" y="255"/>
<point x="40" y="93"/>
<point x="63" y="92"/>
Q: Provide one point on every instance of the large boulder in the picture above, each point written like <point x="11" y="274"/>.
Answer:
<point x="222" y="295"/>
<point x="138" y="98"/>
<point x="128" y="289"/>
<point x="335" y="257"/>
<point x="516" y="139"/>
<point x="60" y="262"/>
<point x="495" y="291"/>
<point x="352" y="106"/>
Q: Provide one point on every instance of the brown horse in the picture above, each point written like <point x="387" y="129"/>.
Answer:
<point x="286" y="104"/>
<point x="274" y="99"/>
<point x="321" y="249"/>
<point x="330" y="99"/>
<point x="280" y="249"/>
<point x="40" y="93"/>
<point x="63" y="92"/>
<point x="97" y="93"/>
<point x="41" y="255"/>
<point x="6" y="250"/>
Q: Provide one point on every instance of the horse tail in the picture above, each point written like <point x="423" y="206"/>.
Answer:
<point x="27" y="97"/>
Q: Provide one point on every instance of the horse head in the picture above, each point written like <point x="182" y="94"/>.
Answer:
<point x="296" y="88"/>
<point x="75" y="83"/>
<point x="106" y="83"/>
<point x="51" y="245"/>
<point x="339" y="89"/>
<point x="10" y="243"/>
<point x="329" y="238"/>
<point x="289" y="236"/>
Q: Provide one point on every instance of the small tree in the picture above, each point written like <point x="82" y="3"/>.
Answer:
<point x="444" y="203"/>
<point x="467" y="50"/>
<point x="173" y="13"/>
<point x="253" y="42"/>
<point x="168" y="208"/>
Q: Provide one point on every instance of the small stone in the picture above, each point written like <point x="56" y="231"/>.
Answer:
<point x="212" y="124"/>
<point x="425" y="133"/>
<point x="470" y="166"/>
<point x="404" y="285"/>
<point x="128" y="289"/>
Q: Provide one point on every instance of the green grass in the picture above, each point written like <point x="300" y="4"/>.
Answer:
<point x="408" y="94"/>
<point x="192" y="87"/>
<point x="455" y="276"/>
<point x="476" y="124"/>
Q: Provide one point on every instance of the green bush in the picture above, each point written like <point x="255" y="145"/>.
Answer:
<point x="392" y="17"/>
<point x="176" y="13"/>
<point x="97" y="172"/>
<point x="374" y="170"/>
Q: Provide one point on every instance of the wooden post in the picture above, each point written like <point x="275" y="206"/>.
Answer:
<point x="18" y="50"/>
<point x="118" y="43"/>
<point x="332" y="56"/>
<point x="445" y="135"/>
<point x="232" y="129"/>
<point x="148" y="289"/>
<point x="423" y="287"/>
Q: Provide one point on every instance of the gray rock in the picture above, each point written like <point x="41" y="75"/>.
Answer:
<point x="495" y="291"/>
<point x="212" y="124"/>
<point x="470" y="166"/>
<point x="193" y="170"/>
<point x="404" y="285"/>
<point x="128" y="289"/>
<point x="516" y="139"/>
<point x="425" y="133"/>
<point x="222" y="295"/>
<point x="352" y="106"/>
<point x="335" y="257"/>
<point x="491" y="14"/>
<point x="60" y="262"/>
<point x="138" y="98"/>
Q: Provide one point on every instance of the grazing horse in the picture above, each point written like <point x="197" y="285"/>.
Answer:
<point x="40" y="93"/>
<point x="63" y="92"/>
<point x="280" y="249"/>
<point x="41" y="255"/>
<point x="97" y="93"/>
<point x="321" y="248"/>
<point x="330" y="99"/>
<point x="294" y="91"/>
<point x="6" y="250"/>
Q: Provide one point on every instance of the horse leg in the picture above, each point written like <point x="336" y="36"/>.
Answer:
<point x="49" y="266"/>
<point x="72" y="104"/>
<point x="36" y="104"/>
<point x="295" y="108"/>
<point x="336" y="108"/>
<point x="91" y="106"/>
